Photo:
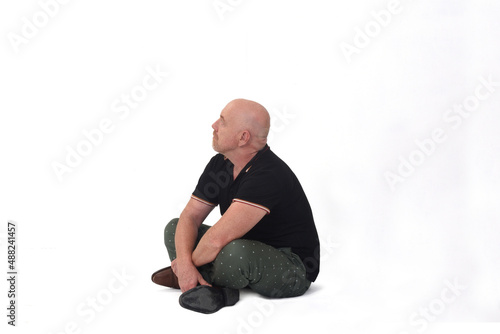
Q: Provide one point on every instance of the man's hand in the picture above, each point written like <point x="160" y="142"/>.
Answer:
<point x="187" y="274"/>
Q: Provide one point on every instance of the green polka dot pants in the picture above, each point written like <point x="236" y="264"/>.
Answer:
<point x="271" y="272"/>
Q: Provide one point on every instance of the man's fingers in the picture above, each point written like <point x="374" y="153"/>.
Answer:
<point x="203" y="282"/>
<point x="173" y="265"/>
<point x="186" y="287"/>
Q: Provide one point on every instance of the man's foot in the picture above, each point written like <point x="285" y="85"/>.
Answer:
<point x="166" y="277"/>
<point x="207" y="299"/>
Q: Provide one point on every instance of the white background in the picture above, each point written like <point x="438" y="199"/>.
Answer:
<point x="341" y="122"/>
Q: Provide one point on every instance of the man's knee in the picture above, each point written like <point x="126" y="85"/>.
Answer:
<point x="169" y="232"/>
<point x="232" y="256"/>
<point x="231" y="266"/>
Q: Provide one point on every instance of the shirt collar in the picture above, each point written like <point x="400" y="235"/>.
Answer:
<point x="255" y="158"/>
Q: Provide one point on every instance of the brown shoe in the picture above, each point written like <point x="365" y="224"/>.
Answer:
<point x="166" y="277"/>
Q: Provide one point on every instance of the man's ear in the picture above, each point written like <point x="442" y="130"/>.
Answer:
<point x="244" y="138"/>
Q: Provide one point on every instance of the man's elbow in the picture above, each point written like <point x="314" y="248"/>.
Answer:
<point x="218" y="240"/>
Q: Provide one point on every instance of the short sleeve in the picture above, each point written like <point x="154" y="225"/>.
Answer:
<point x="261" y="189"/>
<point x="207" y="191"/>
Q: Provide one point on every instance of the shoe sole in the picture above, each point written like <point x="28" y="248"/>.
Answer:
<point x="206" y="299"/>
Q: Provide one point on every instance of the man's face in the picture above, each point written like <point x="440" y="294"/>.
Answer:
<point x="224" y="139"/>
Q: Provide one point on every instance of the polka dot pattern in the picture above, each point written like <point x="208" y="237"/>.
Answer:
<point x="244" y="263"/>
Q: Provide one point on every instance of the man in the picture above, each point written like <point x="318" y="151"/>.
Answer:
<point x="266" y="239"/>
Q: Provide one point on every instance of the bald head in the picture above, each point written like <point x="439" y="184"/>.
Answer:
<point x="252" y="117"/>
<point x="241" y="129"/>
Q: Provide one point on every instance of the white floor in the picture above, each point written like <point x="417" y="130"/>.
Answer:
<point x="97" y="285"/>
<point x="390" y="122"/>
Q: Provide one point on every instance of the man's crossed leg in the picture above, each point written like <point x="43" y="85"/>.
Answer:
<point x="271" y="272"/>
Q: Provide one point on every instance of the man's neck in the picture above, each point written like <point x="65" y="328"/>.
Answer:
<point x="241" y="160"/>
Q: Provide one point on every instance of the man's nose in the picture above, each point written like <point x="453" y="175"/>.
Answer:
<point x="215" y="125"/>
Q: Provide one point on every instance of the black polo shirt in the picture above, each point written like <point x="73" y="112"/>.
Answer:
<point x="268" y="183"/>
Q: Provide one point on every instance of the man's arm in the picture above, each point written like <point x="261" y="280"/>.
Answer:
<point x="235" y="223"/>
<point x="185" y="238"/>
